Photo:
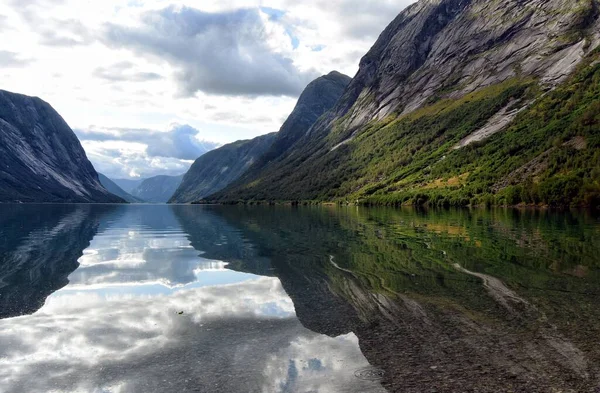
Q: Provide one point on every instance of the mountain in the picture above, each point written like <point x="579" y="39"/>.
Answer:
<point x="363" y="271"/>
<point x="246" y="160"/>
<point x="458" y="102"/>
<point x="41" y="159"/>
<point x="114" y="189"/>
<point x="218" y="168"/>
<point x="157" y="189"/>
<point x="127" y="185"/>
<point x="317" y="98"/>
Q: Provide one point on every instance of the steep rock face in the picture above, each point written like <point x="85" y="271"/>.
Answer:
<point x="216" y="169"/>
<point x="316" y="99"/>
<point x="444" y="75"/>
<point x="114" y="189"/>
<point x="41" y="159"/>
<point x="242" y="162"/>
<point x="448" y="48"/>
<point x="157" y="189"/>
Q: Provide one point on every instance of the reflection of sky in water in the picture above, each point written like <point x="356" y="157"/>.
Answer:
<point x="145" y="313"/>
<point x="143" y="260"/>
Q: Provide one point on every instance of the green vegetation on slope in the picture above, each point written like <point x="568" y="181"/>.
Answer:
<point x="548" y="155"/>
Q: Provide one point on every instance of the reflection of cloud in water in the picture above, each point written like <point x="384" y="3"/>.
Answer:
<point x="143" y="256"/>
<point x="232" y="338"/>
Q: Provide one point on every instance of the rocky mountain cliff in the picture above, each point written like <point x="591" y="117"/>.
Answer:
<point x="218" y="168"/>
<point x="317" y="98"/>
<point x="157" y="189"/>
<point x="246" y="160"/>
<point x="114" y="189"/>
<point x="41" y="159"/>
<point x="457" y="102"/>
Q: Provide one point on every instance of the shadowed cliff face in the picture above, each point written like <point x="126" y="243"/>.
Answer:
<point x="220" y="167"/>
<point x="39" y="248"/>
<point x="447" y="301"/>
<point x="41" y="159"/>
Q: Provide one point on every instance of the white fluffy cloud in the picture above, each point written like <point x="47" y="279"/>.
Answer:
<point x="230" y="69"/>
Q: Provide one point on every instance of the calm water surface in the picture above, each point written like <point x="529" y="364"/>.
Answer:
<point x="157" y="298"/>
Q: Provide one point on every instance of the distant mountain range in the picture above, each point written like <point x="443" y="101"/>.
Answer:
<point x="127" y="185"/>
<point x="114" y="189"/>
<point x="41" y="159"/>
<point x="157" y="189"/>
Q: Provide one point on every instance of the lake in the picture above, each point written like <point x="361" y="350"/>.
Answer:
<point x="157" y="298"/>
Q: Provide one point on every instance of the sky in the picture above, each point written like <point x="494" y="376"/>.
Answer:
<point x="150" y="85"/>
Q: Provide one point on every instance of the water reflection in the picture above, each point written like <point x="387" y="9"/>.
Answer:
<point x="276" y="299"/>
<point x="444" y="301"/>
<point x="146" y="312"/>
<point x="39" y="247"/>
<point x="143" y="251"/>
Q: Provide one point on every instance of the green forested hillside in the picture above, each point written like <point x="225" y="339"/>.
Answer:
<point x="550" y="153"/>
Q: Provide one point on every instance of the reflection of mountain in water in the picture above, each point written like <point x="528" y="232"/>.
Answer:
<point x="39" y="248"/>
<point x="220" y="239"/>
<point x="447" y="301"/>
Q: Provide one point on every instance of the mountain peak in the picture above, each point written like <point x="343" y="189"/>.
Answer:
<point x="41" y="159"/>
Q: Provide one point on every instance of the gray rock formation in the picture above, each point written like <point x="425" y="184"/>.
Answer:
<point x="448" y="48"/>
<point x="216" y="169"/>
<point x="317" y="98"/>
<point x="41" y="159"/>
<point x="242" y="161"/>
<point x="157" y="189"/>
<point x="114" y="189"/>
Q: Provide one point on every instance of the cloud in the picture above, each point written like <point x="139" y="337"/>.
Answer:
<point x="127" y="153"/>
<point x="11" y="59"/>
<point x="363" y="19"/>
<point x="223" y="53"/>
<point x="124" y="72"/>
<point x="52" y="31"/>
<point x="180" y="142"/>
<point x="125" y="342"/>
